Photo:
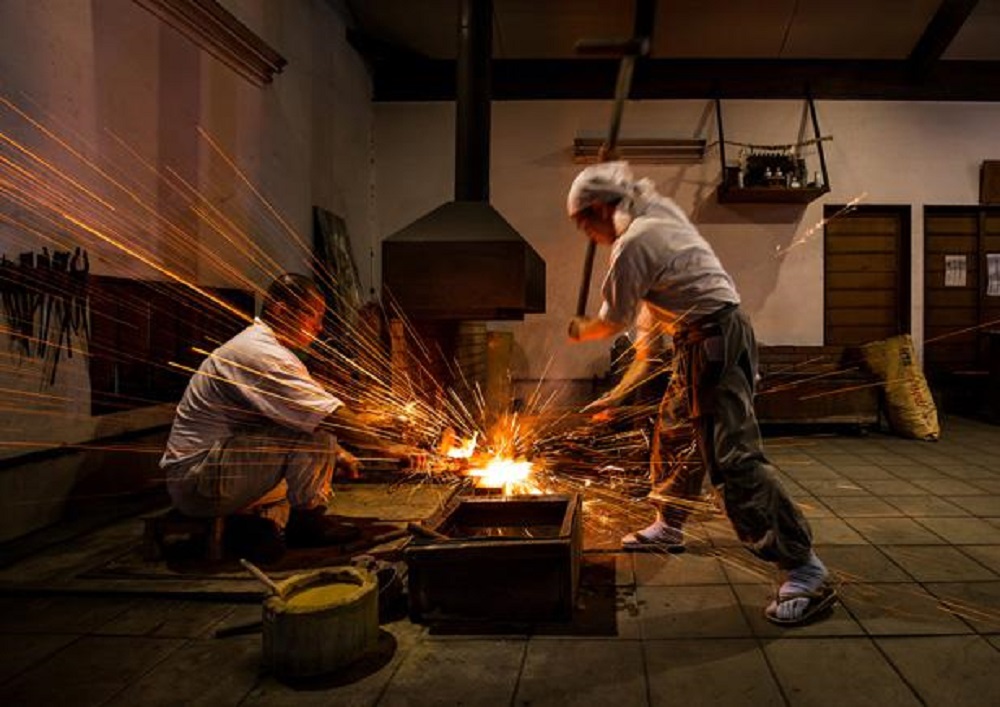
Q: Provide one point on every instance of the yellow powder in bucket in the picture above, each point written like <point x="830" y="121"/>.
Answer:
<point x="322" y="595"/>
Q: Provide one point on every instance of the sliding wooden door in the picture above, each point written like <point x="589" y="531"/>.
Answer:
<point x="866" y="273"/>
<point x="961" y="306"/>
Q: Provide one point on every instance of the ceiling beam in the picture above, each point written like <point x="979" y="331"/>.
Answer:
<point x="579" y="79"/>
<point x="940" y="32"/>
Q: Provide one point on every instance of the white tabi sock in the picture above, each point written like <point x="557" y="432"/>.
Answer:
<point x="805" y="578"/>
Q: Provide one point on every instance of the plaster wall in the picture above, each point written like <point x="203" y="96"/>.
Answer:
<point x="163" y="163"/>
<point x="881" y="153"/>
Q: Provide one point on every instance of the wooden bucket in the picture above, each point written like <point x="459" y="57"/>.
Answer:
<point x="321" y="621"/>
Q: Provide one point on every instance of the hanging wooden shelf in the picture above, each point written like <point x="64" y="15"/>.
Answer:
<point x="645" y="151"/>
<point x="768" y="195"/>
<point x="730" y="190"/>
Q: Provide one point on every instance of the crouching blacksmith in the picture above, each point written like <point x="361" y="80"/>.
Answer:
<point x="255" y="436"/>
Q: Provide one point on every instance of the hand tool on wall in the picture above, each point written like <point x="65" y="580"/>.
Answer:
<point x="45" y="265"/>
<point x="49" y="289"/>
<point x="79" y="269"/>
<point x="628" y="50"/>
<point x="22" y="300"/>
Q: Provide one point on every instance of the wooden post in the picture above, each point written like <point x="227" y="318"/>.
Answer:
<point x="215" y="532"/>
<point x="722" y="139"/>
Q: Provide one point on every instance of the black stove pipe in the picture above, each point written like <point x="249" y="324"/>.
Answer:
<point x="472" y="101"/>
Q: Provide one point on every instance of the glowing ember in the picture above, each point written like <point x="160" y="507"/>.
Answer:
<point x="496" y="466"/>
<point x="501" y="472"/>
<point x="513" y="476"/>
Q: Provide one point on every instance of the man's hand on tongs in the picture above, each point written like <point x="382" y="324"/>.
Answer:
<point x="347" y="465"/>
<point x="414" y="458"/>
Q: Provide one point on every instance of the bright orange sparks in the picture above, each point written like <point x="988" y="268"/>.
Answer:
<point x="465" y="450"/>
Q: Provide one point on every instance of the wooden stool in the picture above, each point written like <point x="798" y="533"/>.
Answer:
<point x="160" y="526"/>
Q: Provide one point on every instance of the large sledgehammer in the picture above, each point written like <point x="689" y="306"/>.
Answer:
<point x="628" y="50"/>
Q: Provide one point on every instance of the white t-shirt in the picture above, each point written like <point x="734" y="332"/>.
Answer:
<point x="662" y="260"/>
<point x="247" y="384"/>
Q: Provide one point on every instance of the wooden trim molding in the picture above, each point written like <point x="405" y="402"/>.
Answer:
<point x="643" y="150"/>
<point x="218" y="32"/>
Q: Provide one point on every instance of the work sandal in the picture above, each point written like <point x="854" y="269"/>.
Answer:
<point x="782" y="611"/>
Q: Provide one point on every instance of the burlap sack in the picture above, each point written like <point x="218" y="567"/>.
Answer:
<point x="909" y="405"/>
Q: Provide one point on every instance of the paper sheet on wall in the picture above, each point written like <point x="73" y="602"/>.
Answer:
<point x="954" y="270"/>
<point x="993" y="274"/>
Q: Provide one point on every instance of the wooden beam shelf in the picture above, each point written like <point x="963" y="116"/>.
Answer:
<point x="789" y="185"/>
<point x="768" y="195"/>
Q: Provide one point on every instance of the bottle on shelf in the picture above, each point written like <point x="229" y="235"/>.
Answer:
<point x="733" y="175"/>
<point x="801" y="173"/>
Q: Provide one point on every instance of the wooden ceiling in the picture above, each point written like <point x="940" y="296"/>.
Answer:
<point x="835" y="49"/>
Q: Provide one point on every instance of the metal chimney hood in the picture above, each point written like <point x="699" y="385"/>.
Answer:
<point x="463" y="260"/>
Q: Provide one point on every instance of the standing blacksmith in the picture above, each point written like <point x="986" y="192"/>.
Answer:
<point x="659" y="259"/>
<point x="256" y="436"/>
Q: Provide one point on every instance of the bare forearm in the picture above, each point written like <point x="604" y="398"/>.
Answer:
<point x="351" y="428"/>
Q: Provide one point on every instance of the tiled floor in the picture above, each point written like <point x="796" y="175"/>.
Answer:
<point x="911" y="529"/>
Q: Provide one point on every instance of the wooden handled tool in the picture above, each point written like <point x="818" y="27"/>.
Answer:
<point x="425" y="532"/>
<point x="628" y="50"/>
<point x="261" y="577"/>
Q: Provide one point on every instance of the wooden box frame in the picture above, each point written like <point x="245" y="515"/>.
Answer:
<point x="498" y="579"/>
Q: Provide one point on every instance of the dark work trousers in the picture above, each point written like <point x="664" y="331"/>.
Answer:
<point x="709" y="405"/>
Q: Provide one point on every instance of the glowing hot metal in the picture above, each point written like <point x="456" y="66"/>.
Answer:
<point x="498" y="471"/>
<point x="508" y="474"/>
